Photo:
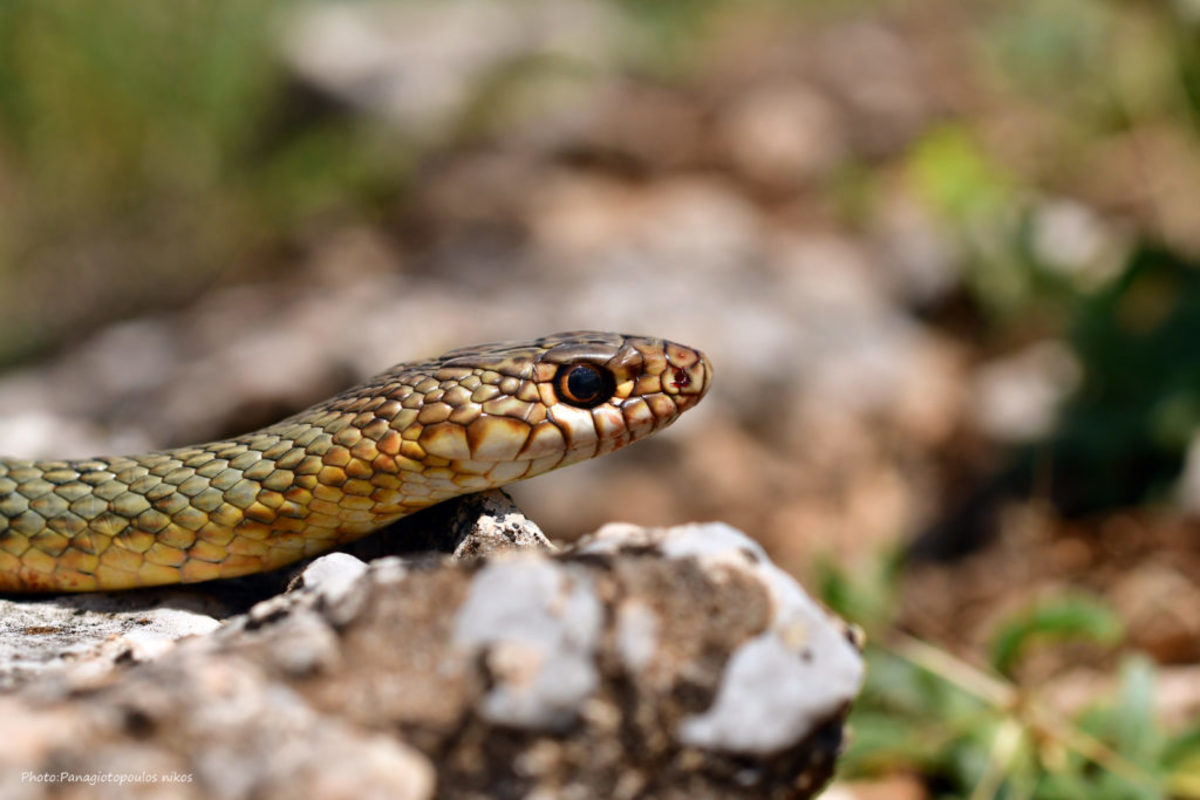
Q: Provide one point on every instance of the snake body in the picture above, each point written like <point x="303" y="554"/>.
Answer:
<point x="414" y="435"/>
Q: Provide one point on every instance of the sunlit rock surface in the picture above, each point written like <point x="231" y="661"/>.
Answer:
<point x="661" y="663"/>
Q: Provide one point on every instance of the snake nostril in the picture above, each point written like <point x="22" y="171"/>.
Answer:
<point x="681" y="378"/>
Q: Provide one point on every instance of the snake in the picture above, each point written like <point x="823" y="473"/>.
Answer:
<point x="470" y="420"/>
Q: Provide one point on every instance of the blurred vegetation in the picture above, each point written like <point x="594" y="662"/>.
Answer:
<point x="1129" y="426"/>
<point x="1108" y="81"/>
<point x="973" y="731"/>
<point x="146" y="153"/>
<point x="149" y="152"/>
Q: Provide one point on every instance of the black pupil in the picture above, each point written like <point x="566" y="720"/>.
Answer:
<point x="584" y="384"/>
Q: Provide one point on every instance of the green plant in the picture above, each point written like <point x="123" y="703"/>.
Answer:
<point x="969" y="732"/>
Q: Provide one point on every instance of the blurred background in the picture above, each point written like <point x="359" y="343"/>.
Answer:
<point x="943" y="254"/>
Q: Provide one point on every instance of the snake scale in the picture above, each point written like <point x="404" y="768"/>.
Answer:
<point x="414" y="435"/>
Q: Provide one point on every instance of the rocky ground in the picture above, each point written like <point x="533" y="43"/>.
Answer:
<point x="649" y="663"/>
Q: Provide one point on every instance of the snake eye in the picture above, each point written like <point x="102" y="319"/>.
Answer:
<point x="583" y="385"/>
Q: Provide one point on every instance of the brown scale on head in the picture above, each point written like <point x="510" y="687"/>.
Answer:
<point x="417" y="434"/>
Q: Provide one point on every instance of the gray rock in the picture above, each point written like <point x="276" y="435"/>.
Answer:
<point x="650" y="663"/>
<point x="422" y="66"/>
<point x="87" y="634"/>
<point x="488" y="522"/>
<point x="800" y="649"/>
<point x="539" y="625"/>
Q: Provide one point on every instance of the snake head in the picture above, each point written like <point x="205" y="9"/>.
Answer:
<point x="607" y="390"/>
<point x="511" y="410"/>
